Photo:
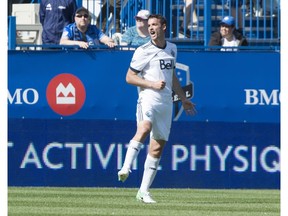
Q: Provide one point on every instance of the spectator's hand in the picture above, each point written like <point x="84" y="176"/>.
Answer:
<point x="111" y="44"/>
<point x="83" y="44"/>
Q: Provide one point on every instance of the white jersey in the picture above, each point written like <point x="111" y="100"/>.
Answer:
<point x="154" y="64"/>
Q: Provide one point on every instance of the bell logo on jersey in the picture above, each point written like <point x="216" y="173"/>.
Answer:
<point x="166" y="65"/>
<point x="65" y="94"/>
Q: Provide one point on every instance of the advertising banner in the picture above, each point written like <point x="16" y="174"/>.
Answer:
<point x="90" y="153"/>
<point x="71" y="115"/>
<point x="233" y="87"/>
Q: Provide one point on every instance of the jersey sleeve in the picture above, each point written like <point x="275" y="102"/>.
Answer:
<point x="99" y="33"/>
<point x="139" y="60"/>
<point x="67" y="32"/>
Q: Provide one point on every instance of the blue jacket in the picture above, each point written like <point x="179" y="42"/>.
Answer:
<point x="54" y="16"/>
<point x="93" y="35"/>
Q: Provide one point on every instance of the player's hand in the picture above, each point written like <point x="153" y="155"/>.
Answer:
<point x="158" y="85"/>
<point x="189" y="107"/>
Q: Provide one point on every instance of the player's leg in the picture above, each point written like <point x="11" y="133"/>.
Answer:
<point x="158" y="138"/>
<point x="143" y="129"/>
<point x="144" y="115"/>
<point x="150" y="169"/>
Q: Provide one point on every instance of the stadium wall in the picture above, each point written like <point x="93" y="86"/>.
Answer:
<point x="71" y="116"/>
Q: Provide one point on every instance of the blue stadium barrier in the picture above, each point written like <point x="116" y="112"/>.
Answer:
<point x="71" y="115"/>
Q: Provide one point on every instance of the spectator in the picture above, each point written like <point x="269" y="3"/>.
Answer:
<point x="228" y="36"/>
<point x="138" y="34"/>
<point x="54" y="16"/>
<point x="191" y="20"/>
<point x="82" y="33"/>
<point x="112" y="5"/>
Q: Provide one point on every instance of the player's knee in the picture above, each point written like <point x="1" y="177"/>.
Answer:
<point x="156" y="151"/>
<point x="144" y="127"/>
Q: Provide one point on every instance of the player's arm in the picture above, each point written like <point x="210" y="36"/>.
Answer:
<point x="189" y="107"/>
<point x="133" y="79"/>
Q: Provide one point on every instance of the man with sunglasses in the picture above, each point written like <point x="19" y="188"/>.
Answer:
<point x="228" y="36"/>
<point x="82" y="33"/>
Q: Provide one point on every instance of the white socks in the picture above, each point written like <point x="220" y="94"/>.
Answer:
<point x="150" y="170"/>
<point x="150" y="166"/>
<point x="132" y="152"/>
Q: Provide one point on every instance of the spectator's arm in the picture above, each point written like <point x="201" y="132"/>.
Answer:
<point x="66" y="41"/>
<point x="107" y="41"/>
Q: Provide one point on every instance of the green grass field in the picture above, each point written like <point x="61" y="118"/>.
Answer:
<point x="43" y="201"/>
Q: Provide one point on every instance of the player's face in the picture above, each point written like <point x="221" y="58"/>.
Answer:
<point x="156" y="30"/>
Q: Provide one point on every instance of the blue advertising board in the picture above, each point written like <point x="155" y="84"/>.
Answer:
<point x="71" y="116"/>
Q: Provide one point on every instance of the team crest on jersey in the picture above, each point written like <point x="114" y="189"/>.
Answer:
<point x="183" y="74"/>
<point x="148" y="114"/>
<point x="172" y="53"/>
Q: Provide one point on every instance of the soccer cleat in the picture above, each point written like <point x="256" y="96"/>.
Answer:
<point x="144" y="197"/>
<point x="123" y="174"/>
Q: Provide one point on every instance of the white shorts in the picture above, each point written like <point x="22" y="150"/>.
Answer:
<point x="159" y="114"/>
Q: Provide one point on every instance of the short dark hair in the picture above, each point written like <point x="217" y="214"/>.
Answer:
<point x="160" y="17"/>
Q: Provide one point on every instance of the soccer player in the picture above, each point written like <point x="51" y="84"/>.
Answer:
<point x="152" y="69"/>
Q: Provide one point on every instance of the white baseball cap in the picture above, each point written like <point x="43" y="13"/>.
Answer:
<point x="143" y="14"/>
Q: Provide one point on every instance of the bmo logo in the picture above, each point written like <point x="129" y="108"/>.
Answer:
<point x="65" y="94"/>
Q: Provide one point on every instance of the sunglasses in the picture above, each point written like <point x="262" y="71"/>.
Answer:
<point x="82" y="15"/>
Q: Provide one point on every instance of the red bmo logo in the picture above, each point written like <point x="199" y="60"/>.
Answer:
<point x="65" y="94"/>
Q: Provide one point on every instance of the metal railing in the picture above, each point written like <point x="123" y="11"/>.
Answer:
<point x="259" y="23"/>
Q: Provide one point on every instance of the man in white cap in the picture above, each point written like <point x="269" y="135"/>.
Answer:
<point x="228" y="36"/>
<point x="138" y="34"/>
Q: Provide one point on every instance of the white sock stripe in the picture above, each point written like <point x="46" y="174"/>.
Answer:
<point x="149" y="157"/>
<point x="150" y="170"/>
<point x="151" y="162"/>
<point x="132" y="152"/>
<point x="135" y="145"/>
